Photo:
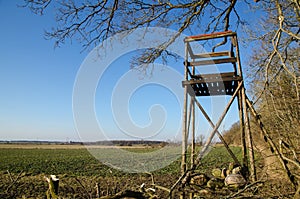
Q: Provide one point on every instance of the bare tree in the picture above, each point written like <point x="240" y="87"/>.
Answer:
<point x="275" y="66"/>
<point x="91" y="22"/>
<point x="275" y="78"/>
<point x="277" y="40"/>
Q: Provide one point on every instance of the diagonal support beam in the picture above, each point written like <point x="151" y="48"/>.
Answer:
<point x="274" y="149"/>
<point x="218" y="133"/>
<point x="211" y="136"/>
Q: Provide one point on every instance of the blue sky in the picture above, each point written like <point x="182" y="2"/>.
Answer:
<point x="37" y="80"/>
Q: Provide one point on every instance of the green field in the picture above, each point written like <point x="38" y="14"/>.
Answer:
<point x="79" y="171"/>
<point x="81" y="162"/>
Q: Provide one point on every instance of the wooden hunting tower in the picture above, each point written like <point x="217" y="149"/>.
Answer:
<point x="225" y="82"/>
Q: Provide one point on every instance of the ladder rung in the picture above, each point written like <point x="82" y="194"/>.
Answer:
<point x="213" y="61"/>
<point x="209" y="36"/>
<point x="213" y="54"/>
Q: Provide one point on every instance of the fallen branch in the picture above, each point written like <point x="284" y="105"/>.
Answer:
<point x="152" y="177"/>
<point x="14" y="181"/>
<point x="10" y="177"/>
<point x="126" y="193"/>
<point x="83" y="187"/>
<point x="162" y="188"/>
<point x="245" y="188"/>
<point x="157" y="186"/>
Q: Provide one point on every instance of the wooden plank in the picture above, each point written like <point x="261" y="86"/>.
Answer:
<point x="213" y="88"/>
<point x="209" y="36"/>
<point x="221" y="81"/>
<point x="212" y="54"/>
<point x="217" y="91"/>
<point x="214" y="75"/>
<point x="213" y="61"/>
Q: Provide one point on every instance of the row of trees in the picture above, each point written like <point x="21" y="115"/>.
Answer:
<point x="275" y="81"/>
<point x="275" y="69"/>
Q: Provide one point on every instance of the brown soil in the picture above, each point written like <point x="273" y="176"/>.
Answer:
<point x="27" y="186"/>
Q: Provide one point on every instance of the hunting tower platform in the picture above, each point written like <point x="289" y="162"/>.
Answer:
<point x="223" y="76"/>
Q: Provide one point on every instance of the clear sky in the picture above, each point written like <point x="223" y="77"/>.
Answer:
<point x="37" y="81"/>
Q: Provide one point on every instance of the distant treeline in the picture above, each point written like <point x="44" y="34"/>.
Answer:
<point x="125" y="142"/>
<point x="104" y="143"/>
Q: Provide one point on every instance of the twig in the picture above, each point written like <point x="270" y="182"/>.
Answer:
<point x="157" y="186"/>
<point x="88" y="194"/>
<point x="245" y="188"/>
<point x="295" y="161"/>
<point x="10" y="177"/>
<point x="152" y="177"/>
<point x="14" y="181"/>
<point x="126" y="193"/>
<point x="162" y="188"/>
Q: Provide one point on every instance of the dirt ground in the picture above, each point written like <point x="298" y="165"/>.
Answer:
<point x="26" y="186"/>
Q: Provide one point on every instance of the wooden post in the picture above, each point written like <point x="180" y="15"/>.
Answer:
<point x="193" y="133"/>
<point x="249" y="137"/>
<point x="243" y="135"/>
<point x="184" y="119"/>
<point x="193" y="126"/>
<point x="251" y="153"/>
<point x="242" y="108"/>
